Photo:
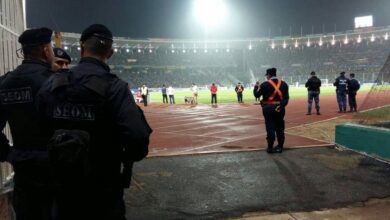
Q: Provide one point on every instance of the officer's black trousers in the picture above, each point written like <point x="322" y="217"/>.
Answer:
<point x="274" y="123"/>
<point x="214" y="98"/>
<point x="352" y="101"/>
<point x="165" y="98"/>
<point x="33" y="203"/>
<point x="80" y="203"/>
<point x="239" y="97"/>
<point x="145" y="100"/>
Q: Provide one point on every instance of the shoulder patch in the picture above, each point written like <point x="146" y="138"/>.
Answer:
<point x="16" y="96"/>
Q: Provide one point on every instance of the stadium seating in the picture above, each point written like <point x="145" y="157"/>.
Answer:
<point x="155" y="67"/>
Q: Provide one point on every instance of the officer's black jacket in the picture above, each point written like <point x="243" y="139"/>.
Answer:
<point x="313" y="84"/>
<point x="341" y="83"/>
<point x="266" y="90"/>
<point x="18" y="91"/>
<point x="353" y="86"/>
<point x="4" y="143"/>
<point x="102" y="105"/>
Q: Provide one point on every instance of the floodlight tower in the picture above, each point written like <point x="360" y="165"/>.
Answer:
<point x="210" y="13"/>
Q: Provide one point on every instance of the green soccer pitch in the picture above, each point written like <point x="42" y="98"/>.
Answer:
<point x="229" y="96"/>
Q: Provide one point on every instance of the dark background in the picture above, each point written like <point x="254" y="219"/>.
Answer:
<point x="174" y="18"/>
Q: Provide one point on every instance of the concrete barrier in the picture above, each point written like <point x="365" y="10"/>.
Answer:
<point x="373" y="141"/>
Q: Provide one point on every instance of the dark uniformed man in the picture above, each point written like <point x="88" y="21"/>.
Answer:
<point x="18" y="89"/>
<point x="164" y="94"/>
<point x="341" y="91"/>
<point x="61" y="59"/>
<point x="255" y="88"/>
<point x="353" y="87"/>
<point x="91" y="99"/>
<point x="275" y="99"/>
<point x="313" y="85"/>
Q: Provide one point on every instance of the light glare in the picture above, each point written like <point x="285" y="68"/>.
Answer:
<point x="210" y="13"/>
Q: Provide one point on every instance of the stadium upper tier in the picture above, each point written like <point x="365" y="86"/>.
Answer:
<point x="181" y="62"/>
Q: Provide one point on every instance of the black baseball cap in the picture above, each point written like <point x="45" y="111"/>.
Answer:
<point x="35" y="37"/>
<point x="96" y="30"/>
<point x="271" y="72"/>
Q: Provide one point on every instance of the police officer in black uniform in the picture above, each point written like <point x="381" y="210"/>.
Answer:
<point x="61" y="59"/>
<point x="30" y="133"/>
<point x="341" y="84"/>
<point x="313" y="85"/>
<point x="91" y="99"/>
<point x="275" y="99"/>
<point x="353" y="87"/>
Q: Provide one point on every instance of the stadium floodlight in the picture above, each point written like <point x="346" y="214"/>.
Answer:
<point x="66" y="48"/>
<point x="150" y="51"/>
<point x="194" y="50"/>
<point x="227" y="50"/>
<point x="284" y="44"/>
<point x="386" y="36"/>
<point x="139" y="50"/>
<point x="173" y="51"/>
<point x="216" y="50"/>
<point x="210" y="13"/>
<point x="296" y="44"/>
<point x="320" y="43"/>
<point x="184" y="51"/>
<point x="205" y="50"/>
<point x="333" y="42"/>
<point x="273" y="45"/>
<point x="127" y="50"/>
<point x="250" y="47"/>
<point x="78" y="48"/>
<point x="346" y="40"/>
<point x="115" y="50"/>
<point x="372" y="38"/>
<point x="359" y="40"/>
<point x="308" y="42"/>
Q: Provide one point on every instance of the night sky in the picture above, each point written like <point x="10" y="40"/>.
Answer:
<point x="174" y="18"/>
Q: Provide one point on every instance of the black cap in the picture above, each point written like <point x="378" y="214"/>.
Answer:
<point x="271" y="72"/>
<point x="35" y="37"/>
<point x="61" y="53"/>
<point x="313" y="73"/>
<point x="342" y="73"/>
<point x="96" y="30"/>
<point x="352" y="74"/>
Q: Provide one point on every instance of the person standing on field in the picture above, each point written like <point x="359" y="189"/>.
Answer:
<point x="239" y="90"/>
<point x="353" y="87"/>
<point x="313" y="85"/>
<point x="213" y="90"/>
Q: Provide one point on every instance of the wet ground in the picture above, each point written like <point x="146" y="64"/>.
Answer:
<point x="221" y="185"/>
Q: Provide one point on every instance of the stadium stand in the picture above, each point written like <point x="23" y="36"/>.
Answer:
<point x="228" y="62"/>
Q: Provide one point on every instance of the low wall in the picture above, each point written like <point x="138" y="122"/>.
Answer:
<point x="374" y="141"/>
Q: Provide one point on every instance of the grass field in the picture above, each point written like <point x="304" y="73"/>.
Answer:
<point x="229" y="96"/>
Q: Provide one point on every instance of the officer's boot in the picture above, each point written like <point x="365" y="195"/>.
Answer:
<point x="308" y="111"/>
<point x="279" y="148"/>
<point x="270" y="143"/>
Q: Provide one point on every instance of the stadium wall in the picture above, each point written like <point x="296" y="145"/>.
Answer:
<point x="373" y="141"/>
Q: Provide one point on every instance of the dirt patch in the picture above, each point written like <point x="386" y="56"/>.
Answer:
<point x="323" y="131"/>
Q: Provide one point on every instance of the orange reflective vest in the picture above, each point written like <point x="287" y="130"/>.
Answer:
<point x="276" y="91"/>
